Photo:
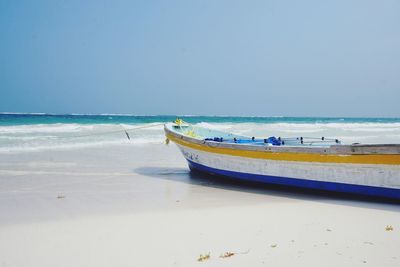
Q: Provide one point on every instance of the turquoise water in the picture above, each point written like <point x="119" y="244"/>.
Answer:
<point x="29" y="119"/>
<point x="38" y="132"/>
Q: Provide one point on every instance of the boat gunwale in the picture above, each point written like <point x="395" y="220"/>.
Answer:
<point x="342" y="150"/>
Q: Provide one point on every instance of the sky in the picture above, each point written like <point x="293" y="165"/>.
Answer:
<point x="206" y="57"/>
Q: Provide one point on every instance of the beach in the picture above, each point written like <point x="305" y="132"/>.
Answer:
<point x="138" y="205"/>
<point x="116" y="118"/>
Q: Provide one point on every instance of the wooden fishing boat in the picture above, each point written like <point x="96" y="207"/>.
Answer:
<point x="317" y="163"/>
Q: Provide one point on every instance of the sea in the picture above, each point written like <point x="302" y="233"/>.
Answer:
<point x="40" y="132"/>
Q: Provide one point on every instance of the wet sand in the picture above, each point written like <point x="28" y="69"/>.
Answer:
<point x="131" y="205"/>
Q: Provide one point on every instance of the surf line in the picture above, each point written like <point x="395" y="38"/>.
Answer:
<point x="126" y="130"/>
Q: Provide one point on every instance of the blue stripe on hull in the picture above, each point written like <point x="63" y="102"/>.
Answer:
<point x="329" y="186"/>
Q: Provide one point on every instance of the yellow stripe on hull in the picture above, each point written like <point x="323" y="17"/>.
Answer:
<point x="304" y="157"/>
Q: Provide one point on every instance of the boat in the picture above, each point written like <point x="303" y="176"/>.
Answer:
<point x="306" y="162"/>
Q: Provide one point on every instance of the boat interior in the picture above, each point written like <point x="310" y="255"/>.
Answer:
<point x="211" y="135"/>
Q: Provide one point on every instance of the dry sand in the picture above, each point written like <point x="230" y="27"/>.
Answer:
<point x="140" y="206"/>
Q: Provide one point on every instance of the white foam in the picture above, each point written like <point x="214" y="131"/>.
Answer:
<point x="25" y="113"/>
<point x="70" y="136"/>
<point x="59" y="136"/>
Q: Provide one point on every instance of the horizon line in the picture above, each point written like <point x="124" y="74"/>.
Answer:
<point x="188" y="115"/>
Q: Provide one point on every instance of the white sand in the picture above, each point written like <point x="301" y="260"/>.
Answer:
<point x="139" y="206"/>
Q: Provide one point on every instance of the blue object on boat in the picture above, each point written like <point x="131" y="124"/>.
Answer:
<point x="245" y="141"/>
<point x="274" y="141"/>
<point x="215" y="139"/>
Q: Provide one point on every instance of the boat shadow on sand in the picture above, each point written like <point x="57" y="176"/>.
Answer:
<point x="198" y="178"/>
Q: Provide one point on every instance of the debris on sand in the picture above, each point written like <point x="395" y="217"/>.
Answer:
<point x="227" y="255"/>
<point x="328" y="230"/>
<point x="60" y="196"/>
<point x="204" y="257"/>
<point x="389" y="228"/>
<point x="274" y="245"/>
<point x="230" y="254"/>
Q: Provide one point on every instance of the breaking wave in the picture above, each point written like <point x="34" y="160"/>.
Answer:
<point x="61" y="136"/>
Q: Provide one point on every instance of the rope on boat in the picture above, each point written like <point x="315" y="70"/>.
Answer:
<point x="282" y="140"/>
<point x="126" y="130"/>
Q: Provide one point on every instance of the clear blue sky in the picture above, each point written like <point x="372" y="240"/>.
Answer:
<point x="208" y="57"/>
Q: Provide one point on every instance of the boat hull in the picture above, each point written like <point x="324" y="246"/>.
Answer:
<point x="302" y="183"/>
<point x="378" y="180"/>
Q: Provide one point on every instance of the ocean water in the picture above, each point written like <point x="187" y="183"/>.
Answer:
<point x="36" y="132"/>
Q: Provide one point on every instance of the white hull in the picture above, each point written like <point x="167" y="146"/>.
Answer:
<point x="358" y="174"/>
